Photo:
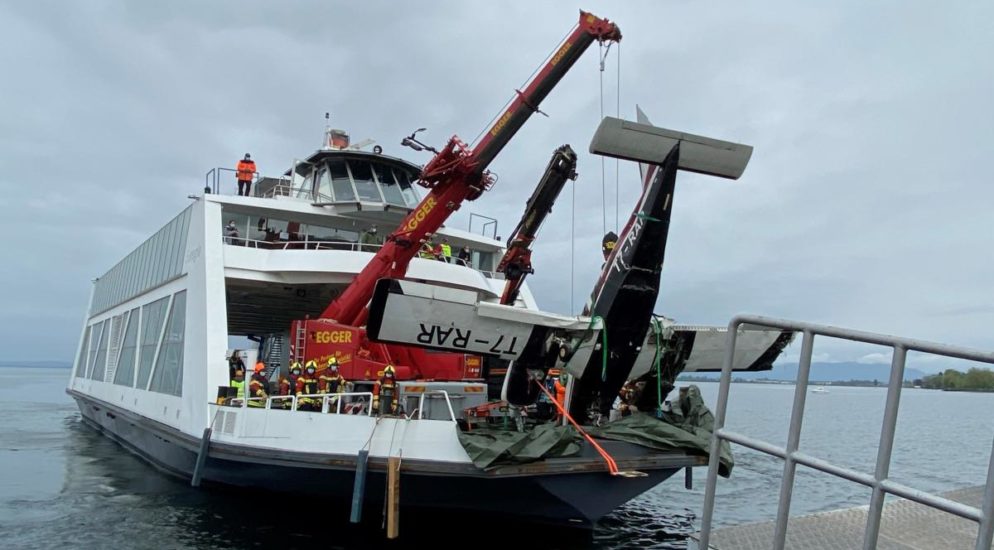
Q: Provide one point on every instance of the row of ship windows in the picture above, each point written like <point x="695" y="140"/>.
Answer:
<point x="141" y="348"/>
<point x="154" y="262"/>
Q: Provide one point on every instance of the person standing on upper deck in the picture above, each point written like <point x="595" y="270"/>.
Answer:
<point x="369" y="241"/>
<point x="245" y="173"/>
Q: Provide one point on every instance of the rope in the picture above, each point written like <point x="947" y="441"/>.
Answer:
<point x="612" y="466"/>
<point x="617" y="169"/>
<point x="593" y="320"/>
<point x="657" y="328"/>
<point x="572" y="248"/>
<point x="602" y="56"/>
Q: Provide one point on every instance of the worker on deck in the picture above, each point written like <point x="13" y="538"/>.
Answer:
<point x="258" y="386"/>
<point x="234" y="363"/>
<point x="466" y="256"/>
<point x="370" y="241"/>
<point x="385" y="392"/>
<point x="238" y="382"/>
<point x="427" y="250"/>
<point x="307" y="384"/>
<point x="245" y="172"/>
<point x="608" y="243"/>
<point x="560" y="387"/>
<point x="331" y="381"/>
<point x="446" y="251"/>
<point x="288" y="385"/>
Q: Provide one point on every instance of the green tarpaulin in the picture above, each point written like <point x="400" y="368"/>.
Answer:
<point x="686" y="428"/>
<point x="492" y="447"/>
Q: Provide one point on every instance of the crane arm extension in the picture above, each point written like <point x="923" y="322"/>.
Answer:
<point x="458" y="173"/>
<point x="516" y="262"/>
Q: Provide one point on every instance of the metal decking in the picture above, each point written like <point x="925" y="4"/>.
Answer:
<point x="904" y="525"/>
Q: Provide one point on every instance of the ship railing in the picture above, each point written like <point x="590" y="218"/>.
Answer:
<point x="448" y="403"/>
<point x="879" y="483"/>
<point x="328" y="400"/>
<point x="302" y="245"/>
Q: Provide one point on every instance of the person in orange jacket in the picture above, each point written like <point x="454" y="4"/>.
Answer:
<point x="245" y="172"/>
<point x="560" y="386"/>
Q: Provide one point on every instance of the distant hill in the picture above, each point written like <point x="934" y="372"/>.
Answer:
<point x="824" y="372"/>
<point x="37" y="364"/>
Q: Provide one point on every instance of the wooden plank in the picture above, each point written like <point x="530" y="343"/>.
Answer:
<point x="393" y="497"/>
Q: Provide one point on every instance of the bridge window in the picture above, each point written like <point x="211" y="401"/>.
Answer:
<point x="340" y="181"/>
<point x="406" y="189"/>
<point x="97" y="370"/>
<point x="324" y="185"/>
<point x="362" y="174"/>
<point x="391" y="191"/>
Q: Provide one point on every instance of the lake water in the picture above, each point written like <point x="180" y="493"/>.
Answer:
<point x="63" y="485"/>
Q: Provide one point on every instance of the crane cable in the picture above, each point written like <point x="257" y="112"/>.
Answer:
<point x="612" y="466"/>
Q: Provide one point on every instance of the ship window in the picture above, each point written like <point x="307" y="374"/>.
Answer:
<point x="362" y="174"/>
<point x="484" y="261"/>
<point x="324" y="186"/>
<point x="84" y="349"/>
<point x="405" y="187"/>
<point x="168" y="377"/>
<point x="391" y="191"/>
<point x="307" y="187"/>
<point x="94" y="344"/>
<point x="340" y="181"/>
<point x="329" y="237"/>
<point x="125" y="374"/>
<point x="152" y="315"/>
<point x="101" y="361"/>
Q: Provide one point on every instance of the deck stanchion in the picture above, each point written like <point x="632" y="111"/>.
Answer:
<point x="393" y="497"/>
<point x="198" y="469"/>
<point x="359" y="488"/>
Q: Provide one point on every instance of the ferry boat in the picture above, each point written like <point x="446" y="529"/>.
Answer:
<point x="154" y="347"/>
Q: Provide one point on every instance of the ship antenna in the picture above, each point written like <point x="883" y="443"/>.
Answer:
<point x="327" y="131"/>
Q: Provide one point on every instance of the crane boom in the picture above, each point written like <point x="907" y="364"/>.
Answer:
<point x="458" y="173"/>
<point x="516" y="262"/>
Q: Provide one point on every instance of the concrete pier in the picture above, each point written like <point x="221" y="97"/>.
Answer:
<point x="904" y="525"/>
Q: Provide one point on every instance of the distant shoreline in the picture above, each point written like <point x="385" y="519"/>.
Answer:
<point x="37" y="365"/>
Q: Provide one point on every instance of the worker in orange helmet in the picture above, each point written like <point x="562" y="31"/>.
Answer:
<point x="385" y="392"/>
<point x="258" y="386"/>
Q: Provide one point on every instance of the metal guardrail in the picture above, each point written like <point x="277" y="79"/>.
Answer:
<point x="878" y="482"/>
<point x="326" y="398"/>
<point x="448" y="402"/>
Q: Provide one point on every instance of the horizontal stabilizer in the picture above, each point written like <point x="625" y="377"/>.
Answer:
<point x="444" y="318"/>
<point x="650" y="144"/>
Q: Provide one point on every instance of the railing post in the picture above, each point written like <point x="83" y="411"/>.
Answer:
<point x="884" y="450"/>
<point x="986" y="529"/>
<point x="793" y="440"/>
<point x="719" y="422"/>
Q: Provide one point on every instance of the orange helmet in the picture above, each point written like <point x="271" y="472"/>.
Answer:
<point x="259" y="367"/>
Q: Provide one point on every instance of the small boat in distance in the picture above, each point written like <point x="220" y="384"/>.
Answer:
<point x="819" y="389"/>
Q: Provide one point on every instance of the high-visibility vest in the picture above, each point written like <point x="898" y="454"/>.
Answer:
<point x="446" y="250"/>
<point x="240" y="384"/>
<point x="246" y="168"/>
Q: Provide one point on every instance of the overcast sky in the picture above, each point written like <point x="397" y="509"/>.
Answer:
<point x="867" y="202"/>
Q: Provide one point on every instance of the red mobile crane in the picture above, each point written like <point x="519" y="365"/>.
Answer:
<point x="455" y="174"/>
